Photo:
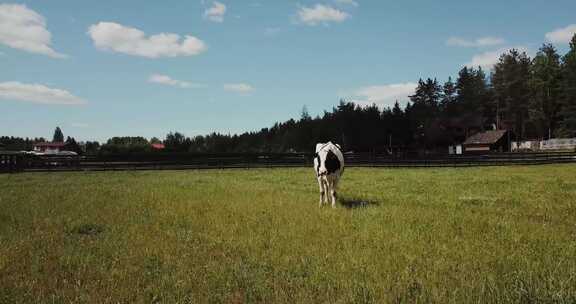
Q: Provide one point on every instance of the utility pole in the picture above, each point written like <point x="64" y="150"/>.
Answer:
<point x="497" y="114"/>
<point x="509" y="148"/>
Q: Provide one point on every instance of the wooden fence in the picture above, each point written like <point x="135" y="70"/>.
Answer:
<point x="18" y="162"/>
<point x="11" y="162"/>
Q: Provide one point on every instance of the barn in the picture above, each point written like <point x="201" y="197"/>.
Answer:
<point x="488" y="141"/>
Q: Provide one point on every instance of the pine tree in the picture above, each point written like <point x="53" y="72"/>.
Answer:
<point x="448" y="102"/>
<point x="510" y="80"/>
<point x="545" y="83"/>
<point x="396" y="110"/>
<point x="425" y="105"/>
<point x="568" y="110"/>
<point x="58" y="136"/>
<point x="304" y="115"/>
<point x="465" y="89"/>
<point x="473" y="101"/>
<point x="72" y="145"/>
<point x="176" y="141"/>
<point x="92" y="147"/>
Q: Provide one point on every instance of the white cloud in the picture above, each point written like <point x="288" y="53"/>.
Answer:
<point x="384" y="95"/>
<point x="346" y="2"/>
<point x="320" y="14"/>
<point x="24" y="29"/>
<point x="167" y="80"/>
<point x="37" y="93"/>
<point x="132" y="41"/>
<point x="216" y="12"/>
<point x="479" y="42"/>
<point x="487" y="60"/>
<point x="562" y="35"/>
<point x="241" y="88"/>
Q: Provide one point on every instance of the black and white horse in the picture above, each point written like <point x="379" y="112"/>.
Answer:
<point x="329" y="166"/>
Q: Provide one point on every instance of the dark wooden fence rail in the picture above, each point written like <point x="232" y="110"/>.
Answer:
<point x="18" y="162"/>
<point x="11" y="162"/>
<point x="460" y="160"/>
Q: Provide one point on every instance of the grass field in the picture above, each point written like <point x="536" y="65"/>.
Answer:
<point x="464" y="235"/>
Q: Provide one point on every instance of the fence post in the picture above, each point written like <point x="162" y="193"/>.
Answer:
<point x="19" y="163"/>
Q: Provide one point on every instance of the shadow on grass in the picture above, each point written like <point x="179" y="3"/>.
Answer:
<point x="356" y="202"/>
<point x="87" y="229"/>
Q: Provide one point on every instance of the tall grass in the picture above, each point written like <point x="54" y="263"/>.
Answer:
<point x="475" y="235"/>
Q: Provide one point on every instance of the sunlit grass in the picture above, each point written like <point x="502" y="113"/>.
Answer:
<point x="497" y="234"/>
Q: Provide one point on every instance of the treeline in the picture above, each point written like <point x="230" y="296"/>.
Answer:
<point x="535" y="98"/>
<point x="19" y="144"/>
<point x="361" y="128"/>
<point x="11" y="143"/>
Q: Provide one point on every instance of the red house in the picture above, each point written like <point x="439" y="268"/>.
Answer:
<point x="48" y="147"/>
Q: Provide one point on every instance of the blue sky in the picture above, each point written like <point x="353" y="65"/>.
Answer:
<point x="103" y="68"/>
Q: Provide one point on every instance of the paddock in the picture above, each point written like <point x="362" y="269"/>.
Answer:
<point x="402" y="235"/>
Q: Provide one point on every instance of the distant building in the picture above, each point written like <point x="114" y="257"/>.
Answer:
<point x="558" y="144"/>
<point x="488" y="141"/>
<point x="525" y="146"/>
<point x="455" y="149"/>
<point x="158" y="146"/>
<point x="49" y="147"/>
<point x="553" y="144"/>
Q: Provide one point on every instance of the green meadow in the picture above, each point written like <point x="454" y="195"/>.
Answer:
<point x="447" y="235"/>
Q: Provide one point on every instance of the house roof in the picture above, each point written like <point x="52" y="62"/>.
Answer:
<point x="158" y="146"/>
<point x="488" y="137"/>
<point x="50" y="144"/>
